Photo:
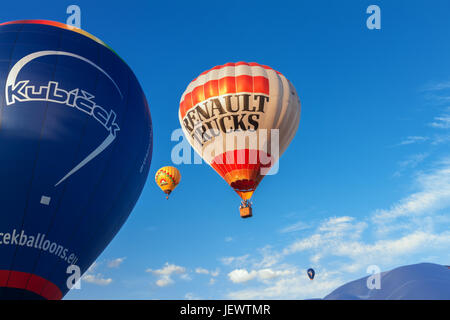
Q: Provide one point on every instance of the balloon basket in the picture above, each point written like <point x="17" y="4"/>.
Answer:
<point x="246" y="212"/>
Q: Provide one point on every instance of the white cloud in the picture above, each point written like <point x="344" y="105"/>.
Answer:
<point x="164" y="281"/>
<point x="293" y="286"/>
<point x="166" y="272"/>
<point x="168" y="269"/>
<point x="242" y="275"/>
<point x="115" y="263"/>
<point x="344" y="242"/>
<point x="328" y="232"/>
<point x="214" y="273"/>
<point x="201" y="271"/>
<point x="96" y="278"/>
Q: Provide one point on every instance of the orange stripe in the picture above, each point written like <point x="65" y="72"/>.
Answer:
<point x="244" y="84"/>
<point x="227" y="85"/>
<point x="261" y="85"/>
<point x="198" y="95"/>
<point x="211" y="89"/>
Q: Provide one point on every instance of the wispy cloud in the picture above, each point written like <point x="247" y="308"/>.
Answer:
<point x="235" y="260"/>
<point x="411" y="162"/>
<point x="433" y="194"/>
<point x="412" y="140"/>
<point x="116" y="262"/>
<point x="437" y="86"/>
<point x="298" y="226"/>
<point x="414" y="160"/>
<point x="441" y="122"/>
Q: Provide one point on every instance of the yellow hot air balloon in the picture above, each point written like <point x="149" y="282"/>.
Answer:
<point x="167" y="178"/>
<point x="240" y="117"/>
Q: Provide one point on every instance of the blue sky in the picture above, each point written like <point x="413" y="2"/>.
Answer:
<point x="366" y="180"/>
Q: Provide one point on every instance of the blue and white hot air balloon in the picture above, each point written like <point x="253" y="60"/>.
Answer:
<point x="76" y="146"/>
<point x="311" y="273"/>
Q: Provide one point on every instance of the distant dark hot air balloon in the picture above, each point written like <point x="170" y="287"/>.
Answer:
<point x="76" y="141"/>
<point x="311" y="273"/>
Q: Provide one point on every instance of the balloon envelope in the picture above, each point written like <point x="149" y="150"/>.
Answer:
<point x="311" y="273"/>
<point x="76" y="141"/>
<point x="240" y="117"/>
<point x="167" y="178"/>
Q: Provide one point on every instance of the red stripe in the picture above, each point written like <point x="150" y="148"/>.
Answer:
<point x="30" y="282"/>
<point x="225" y="85"/>
<point x="241" y="159"/>
<point x="251" y="160"/>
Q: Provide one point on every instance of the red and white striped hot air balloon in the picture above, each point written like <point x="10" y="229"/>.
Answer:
<point x="240" y="117"/>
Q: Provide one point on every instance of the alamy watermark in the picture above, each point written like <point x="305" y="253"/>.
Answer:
<point x="262" y="146"/>
<point x="374" y="20"/>
<point x="74" y="278"/>
<point x="374" y="280"/>
<point x="74" y="18"/>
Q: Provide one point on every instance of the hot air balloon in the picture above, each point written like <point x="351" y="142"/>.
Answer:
<point x="311" y="273"/>
<point x="240" y="117"/>
<point x="76" y="141"/>
<point x="167" y="178"/>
